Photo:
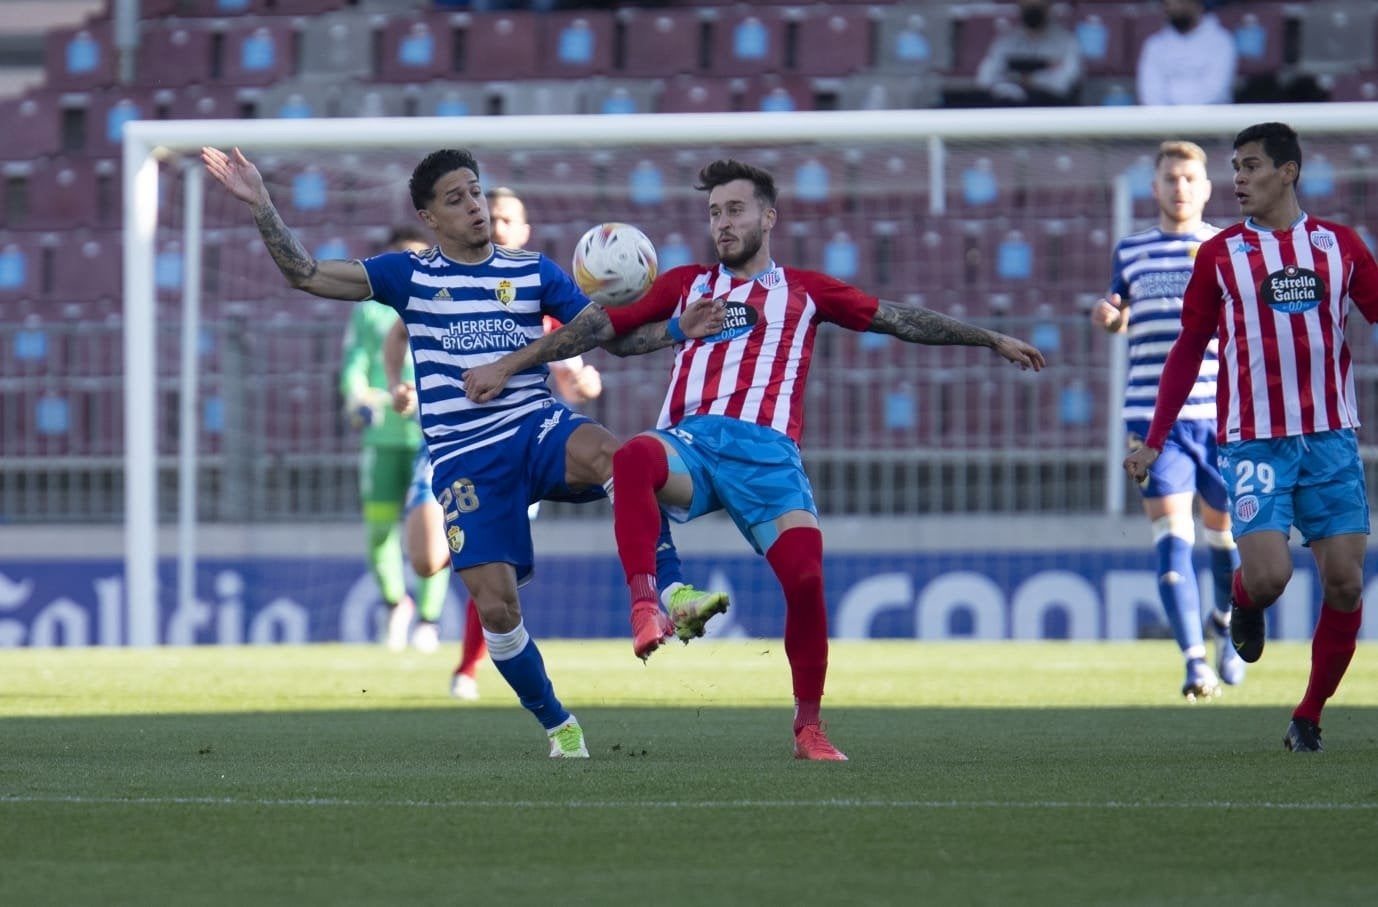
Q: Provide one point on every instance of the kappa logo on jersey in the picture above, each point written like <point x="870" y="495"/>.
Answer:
<point x="701" y="289"/>
<point x="737" y="319"/>
<point x="1323" y="240"/>
<point x="1244" y="248"/>
<point x="442" y="293"/>
<point x="1292" y="290"/>
<point x="683" y="435"/>
<point x="549" y="423"/>
<point x="455" y="537"/>
<point x="506" y="292"/>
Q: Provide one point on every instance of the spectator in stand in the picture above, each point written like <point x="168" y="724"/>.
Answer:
<point x="1037" y="64"/>
<point x="1190" y="60"/>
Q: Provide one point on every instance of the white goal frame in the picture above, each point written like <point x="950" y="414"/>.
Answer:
<point x="146" y="142"/>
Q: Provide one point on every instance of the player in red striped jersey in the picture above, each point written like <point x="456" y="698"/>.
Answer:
<point x="728" y="435"/>
<point x="1276" y="289"/>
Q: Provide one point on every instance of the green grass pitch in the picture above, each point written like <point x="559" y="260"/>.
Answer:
<point x="1042" y="773"/>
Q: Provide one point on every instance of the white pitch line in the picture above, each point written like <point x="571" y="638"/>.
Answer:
<point x="682" y="804"/>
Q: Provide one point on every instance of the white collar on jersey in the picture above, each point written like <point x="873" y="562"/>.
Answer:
<point x="757" y="276"/>
<point x="1259" y="228"/>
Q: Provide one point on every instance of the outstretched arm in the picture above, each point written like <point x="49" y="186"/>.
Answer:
<point x="588" y="329"/>
<point x="333" y="279"/>
<point x="916" y="324"/>
<point x="394" y="360"/>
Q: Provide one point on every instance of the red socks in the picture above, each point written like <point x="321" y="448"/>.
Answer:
<point x="1237" y="592"/>
<point x="640" y="468"/>
<point x="797" y="559"/>
<point x="472" y="648"/>
<point x="1331" y="649"/>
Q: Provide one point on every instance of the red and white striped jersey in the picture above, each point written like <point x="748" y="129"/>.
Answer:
<point x="754" y="369"/>
<point x="1278" y="301"/>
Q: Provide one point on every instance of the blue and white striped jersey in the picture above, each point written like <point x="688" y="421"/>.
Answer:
<point x="459" y="316"/>
<point x="1151" y="269"/>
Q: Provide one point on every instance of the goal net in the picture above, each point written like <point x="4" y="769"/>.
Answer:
<point x="1003" y="220"/>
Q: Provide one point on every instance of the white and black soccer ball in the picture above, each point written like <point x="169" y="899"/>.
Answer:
<point x="614" y="264"/>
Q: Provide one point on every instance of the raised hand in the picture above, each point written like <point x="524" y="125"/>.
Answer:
<point x="236" y="173"/>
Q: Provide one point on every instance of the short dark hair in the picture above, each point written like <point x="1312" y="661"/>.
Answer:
<point x="405" y="233"/>
<point x="432" y="167"/>
<point x="1279" y="141"/>
<point x="726" y="171"/>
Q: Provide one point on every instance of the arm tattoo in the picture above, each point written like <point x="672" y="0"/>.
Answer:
<point x="587" y="330"/>
<point x="646" y="339"/>
<point x="919" y="325"/>
<point x="295" y="263"/>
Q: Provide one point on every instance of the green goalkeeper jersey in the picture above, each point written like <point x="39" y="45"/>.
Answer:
<point x="362" y="375"/>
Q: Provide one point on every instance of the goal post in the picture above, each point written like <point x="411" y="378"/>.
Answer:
<point x="151" y="144"/>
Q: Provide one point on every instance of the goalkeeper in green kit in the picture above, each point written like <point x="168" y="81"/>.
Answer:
<point x="389" y="447"/>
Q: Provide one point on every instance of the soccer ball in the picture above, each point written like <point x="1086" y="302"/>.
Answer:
<point x="614" y="264"/>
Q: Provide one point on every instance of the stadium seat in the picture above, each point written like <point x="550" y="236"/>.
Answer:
<point x="1102" y="33"/>
<point x="620" y="96"/>
<point x="64" y="192"/>
<point x="80" y="57"/>
<point x="1336" y="37"/>
<point x="213" y="102"/>
<point x="449" y="99"/>
<point x="872" y="91"/>
<point x="659" y="42"/>
<point x="261" y="52"/>
<point x="106" y="112"/>
<point x="416" y="48"/>
<point x="1356" y="86"/>
<point x="337" y="45"/>
<point x="772" y="93"/>
<point x="1259" y="33"/>
<point x="174" y="53"/>
<point x="86" y="264"/>
<point x="32" y="124"/>
<point x="299" y="99"/>
<point x="537" y="96"/>
<point x="20" y="263"/>
<point x="498" y="46"/>
<point x="973" y="31"/>
<point x="700" y="94"/>
<point x="913" y="39"/>
<point x="575" y="44"/>
<point x="828" y="40"/>
<point x="747" y="40"/>
<point x="360" y="99"/>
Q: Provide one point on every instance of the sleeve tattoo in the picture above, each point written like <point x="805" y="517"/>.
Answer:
<point x="919" y="325"/>
<point x="292" y="259"/>
<point x="646" y="339"/>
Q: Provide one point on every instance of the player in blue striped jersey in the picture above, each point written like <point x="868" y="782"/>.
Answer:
<point x="1151" y="270"/>
<point x="467" y="302"/>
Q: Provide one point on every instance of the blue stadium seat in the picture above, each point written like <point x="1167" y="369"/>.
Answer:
<point x="576" y="44"/>
<point x="1258" y="30"/>
<point x="1103" y="34"/>
<point x="700" y="94"/>
<point x="19" y="266"/>
<point x="913" y="40"/>
<point x="261" y="51"/>
<point x="416" y="48"/>
<point x="748" y="40"/>
<point x="80" y="57"/>
<point x="337" y="45"/>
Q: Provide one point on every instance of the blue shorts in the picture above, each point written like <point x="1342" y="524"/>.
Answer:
<point x="419" y="492"/>
<point x="485" y="493"/>
<point x="1314" y="482"/>
<point x="752" y="472"/>
<point x="1188" y="463"/>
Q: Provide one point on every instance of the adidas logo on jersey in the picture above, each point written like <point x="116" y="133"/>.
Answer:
<point x="442" y="293"/>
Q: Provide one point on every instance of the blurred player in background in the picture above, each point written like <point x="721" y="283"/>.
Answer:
<point x="730" y="426"/>
<point x="1275" y="290"/>
<point x="1150" y="273"/>
<point x="467" y="302"/>
<point x="389" y="447"/>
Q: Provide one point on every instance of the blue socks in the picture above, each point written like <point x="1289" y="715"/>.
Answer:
<point x="1224" y="562"/>
<point x="668" y="570"/>
<point x="519" y="662"/>
<point x="1181" y="597"/>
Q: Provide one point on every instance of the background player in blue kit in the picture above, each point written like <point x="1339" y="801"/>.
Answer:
<point x="1151" y="270"/>
<point x="467" y="302"/>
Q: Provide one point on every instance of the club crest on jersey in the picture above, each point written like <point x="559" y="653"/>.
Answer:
<point x="771" y="278"/>
<point x="1323" y="240"/>
<point x="1292" y="290"/>
<point x="506" y="292"/>
<point x="1246" y="508"/>
<point x="737" y="319"/>
<point x="454" y="536"/>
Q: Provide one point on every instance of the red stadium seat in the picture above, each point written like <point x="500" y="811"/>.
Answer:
<point x="1102" y="32"/>
<point x="828" y="41"/>
<point x="173" y="53"/>
<point x="700" y="94"/>
<point x="32" y="124"/>
<point x="86" y="264"/>
<point x="770" y="92"/>
<point x="660" y="42"/>
<point x="499" y="46"/>
<point x="576" y="44"/>
<point x="64" y="192"/>
<point x="1258" y="29"/>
